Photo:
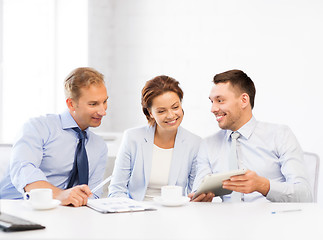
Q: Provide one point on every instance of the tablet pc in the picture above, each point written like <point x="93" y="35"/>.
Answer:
<point x="213" y="183"/>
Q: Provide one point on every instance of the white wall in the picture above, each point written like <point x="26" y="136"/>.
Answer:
<point x="40" y="43"/>
<point x="277" y="43"/>
<point x="1" y="66"/>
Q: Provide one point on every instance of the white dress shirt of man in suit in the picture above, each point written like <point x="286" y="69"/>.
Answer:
<point x="161" y="103"/>
<point x="270" y="152"/>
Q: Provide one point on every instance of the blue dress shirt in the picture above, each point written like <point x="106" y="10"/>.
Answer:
<point x="44" y="151"/>
<point x="132" y="168"/>
<point x="271" y="150"/>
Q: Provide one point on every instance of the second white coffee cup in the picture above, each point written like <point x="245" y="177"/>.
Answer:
<point x="171" y="193"/>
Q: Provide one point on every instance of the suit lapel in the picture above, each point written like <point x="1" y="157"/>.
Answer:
<point x="147" y="152"/>
<point x="177" y="158"/>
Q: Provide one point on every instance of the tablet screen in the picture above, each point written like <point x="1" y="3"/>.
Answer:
<point x="213" y="183"/>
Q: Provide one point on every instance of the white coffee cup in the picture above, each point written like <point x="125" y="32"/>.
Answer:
<point x="171" y="193"/>
<point x="39" y="197"/>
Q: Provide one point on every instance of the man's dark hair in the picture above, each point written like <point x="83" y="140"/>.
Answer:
<point x="240" y="81"/>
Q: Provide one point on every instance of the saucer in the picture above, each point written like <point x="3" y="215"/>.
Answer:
<point x="180" y="202"/>
<point x="53" y="204"/>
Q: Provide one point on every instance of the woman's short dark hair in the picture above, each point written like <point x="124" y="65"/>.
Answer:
<point x="156" y="87"/>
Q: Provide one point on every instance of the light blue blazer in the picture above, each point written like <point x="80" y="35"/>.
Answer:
<point x="133" y="163"/>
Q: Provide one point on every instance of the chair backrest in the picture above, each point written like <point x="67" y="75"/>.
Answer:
<point x="5" y="152"/>
<point x="312" y="163"/>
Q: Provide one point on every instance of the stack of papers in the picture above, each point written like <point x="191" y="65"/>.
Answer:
<point x="118" y="205"/>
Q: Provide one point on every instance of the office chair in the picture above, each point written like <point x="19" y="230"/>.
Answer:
<point x="312" y="163"/>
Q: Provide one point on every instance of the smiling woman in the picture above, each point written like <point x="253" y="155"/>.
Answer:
<point x="162" y="153"/>
<point x="166" y="110"/>
<point x="40" y="43"/>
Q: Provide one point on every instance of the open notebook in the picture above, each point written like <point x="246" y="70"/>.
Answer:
<point x="118" y="205"/>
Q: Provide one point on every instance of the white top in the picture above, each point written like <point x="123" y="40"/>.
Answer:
<point x="160" y="166"/>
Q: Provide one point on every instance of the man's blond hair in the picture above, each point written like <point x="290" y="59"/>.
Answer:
<point x="80" y="78"/>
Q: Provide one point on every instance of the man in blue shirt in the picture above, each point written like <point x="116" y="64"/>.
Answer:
<point x="270" y="152"/>
<point x="43" y="155"/>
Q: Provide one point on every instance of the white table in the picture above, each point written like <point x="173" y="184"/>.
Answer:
<point x="192" y="221"/>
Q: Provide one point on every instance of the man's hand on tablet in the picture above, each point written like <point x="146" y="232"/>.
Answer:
<point x="248" y="183"/>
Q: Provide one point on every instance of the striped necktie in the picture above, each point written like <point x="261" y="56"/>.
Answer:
<point x="80" y="172"/>
<point x="233" y="163"/>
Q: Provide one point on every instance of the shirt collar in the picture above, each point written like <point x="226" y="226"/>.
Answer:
<point x="68" y="121"/>
<point x="246" y="130"/>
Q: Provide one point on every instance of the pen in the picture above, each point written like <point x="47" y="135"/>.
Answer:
<point x="287" y="211"/>
<point x="105" y="181"/>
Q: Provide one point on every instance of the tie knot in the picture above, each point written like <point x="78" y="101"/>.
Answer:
<point x="81" y="134"/>
<point x="235" y="135"/>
